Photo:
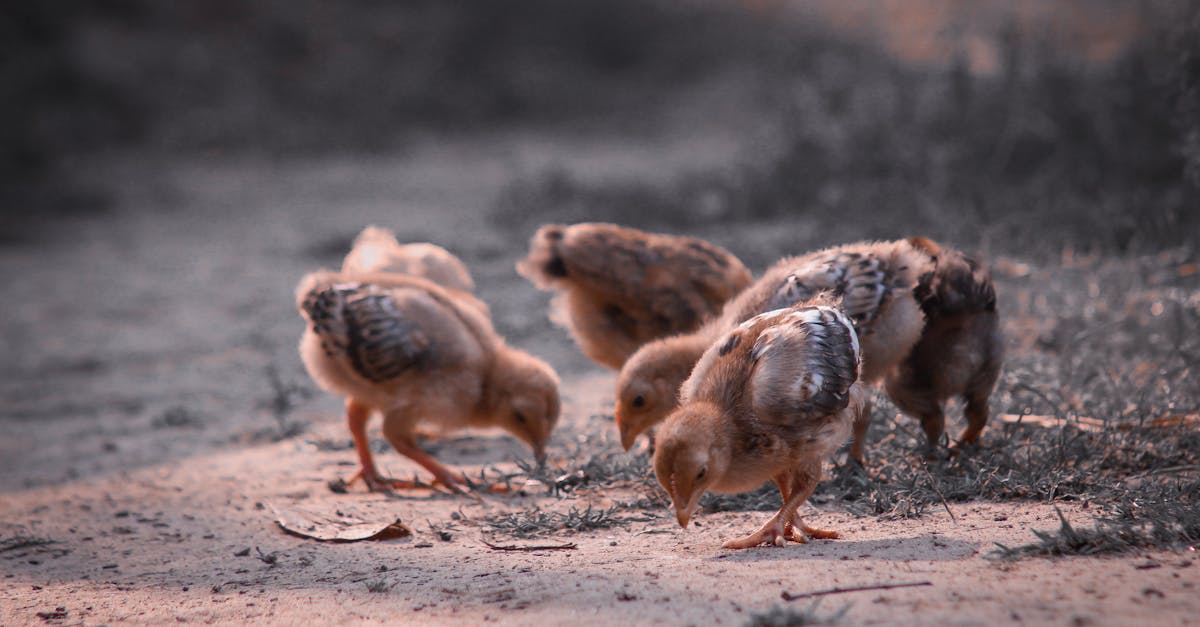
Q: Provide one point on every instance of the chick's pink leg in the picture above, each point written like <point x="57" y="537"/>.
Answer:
<point x="772" y="534"/>
<point x="820" y="534"/>
<point x="779" y="528"/>
<point x="803" y="485"/>
<point x="409" y="449"/>
<point x="356" y="417"/>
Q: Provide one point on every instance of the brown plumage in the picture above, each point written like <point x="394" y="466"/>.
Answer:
<point x="376" y="249"/>
<point x="421" y="355"/>
<point x="925" y="316"/>
<point x="768" y="401"/>
<point x="961" y="348"/>
<point x="618" y="288"/>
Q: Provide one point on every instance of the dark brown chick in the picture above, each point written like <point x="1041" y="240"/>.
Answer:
<point x="420" y="355"/>
<point x="618" y="288"/>
<point x="927" y="323"/>
<point x="961" y="349"/>
<point x="768" y="401"/>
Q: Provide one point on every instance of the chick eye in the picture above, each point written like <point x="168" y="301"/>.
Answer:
<point x="520" y="418"/>
<point x="703" y="471"/>
<point x="639" y="401"/>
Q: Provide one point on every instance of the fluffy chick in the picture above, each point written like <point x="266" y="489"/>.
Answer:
<point x="618" y="288"/>
<point x="926" y="317"/>
<point x="376" y="249"/>
<point x="420" y="355"/>
<point x="769" y="400"/>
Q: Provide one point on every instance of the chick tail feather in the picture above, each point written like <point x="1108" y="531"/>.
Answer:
<point x="544" y="265"/>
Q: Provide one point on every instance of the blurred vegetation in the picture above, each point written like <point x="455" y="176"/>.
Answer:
<point x="284" y="75"/>
<point x="1050" y="148"/>
<point x="1048" y="144"/>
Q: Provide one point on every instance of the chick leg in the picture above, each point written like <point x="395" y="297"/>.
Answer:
<point x="776" y="531"/>
<point x="357" y="415"/>
<point x="802" y="532"/>
<point x="977" y="393"/>
<point x="916" y="399"/>
<point x="452" y="480"/>
<point x="803" y="484"/>
<point x="858" y="437"/>
<point x="976" y="413"/>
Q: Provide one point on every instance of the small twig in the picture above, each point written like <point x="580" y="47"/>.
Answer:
<point x="1170" y="470"/>
<point x="933" y="484"/>
<point x="528" y="547"/>
<point x="788" y="596"/>
<point x="21" y="542"/>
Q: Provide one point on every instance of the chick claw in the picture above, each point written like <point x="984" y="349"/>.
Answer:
<point x="375" y="483"/>
<point x="772" y="534"/>
<point x="802" y="533"/>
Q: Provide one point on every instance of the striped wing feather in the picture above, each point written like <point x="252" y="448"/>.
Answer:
<point x="365" y="325"/>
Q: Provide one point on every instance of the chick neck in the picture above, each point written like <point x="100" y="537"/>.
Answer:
<point x="707" y="427"/>
<point x="508" y="367"/>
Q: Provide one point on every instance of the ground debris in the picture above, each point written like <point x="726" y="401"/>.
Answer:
<point x="58" y="613"/>
<point x="529" y="547"/>
<point x="307" y="523"/>
<point x="21" y="542"/>
<point x="788" y="596"/>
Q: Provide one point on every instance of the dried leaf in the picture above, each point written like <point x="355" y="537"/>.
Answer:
<point x="318" y="525"/>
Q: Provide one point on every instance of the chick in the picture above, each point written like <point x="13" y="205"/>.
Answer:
<point x="961" y="349"/>
<point x="925" y="315"/>
<point x="420" y="355"/>
<point x="376" y="249"/>
<point x="769" y="400"/>
<point x="618" y="288"/>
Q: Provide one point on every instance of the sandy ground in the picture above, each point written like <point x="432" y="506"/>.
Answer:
<point x="155" y="411"/>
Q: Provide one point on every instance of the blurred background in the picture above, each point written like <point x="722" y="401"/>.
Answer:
<point x="993" y="108"/>
<point x="168" y="171"/>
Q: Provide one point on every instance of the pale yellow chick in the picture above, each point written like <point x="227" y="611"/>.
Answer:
<point x="422" y="356"/>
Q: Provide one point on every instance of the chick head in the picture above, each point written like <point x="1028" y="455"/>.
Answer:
<point x="690" y="456"/>
<point x="648" y="385"/>
<point x="528" y="406"/>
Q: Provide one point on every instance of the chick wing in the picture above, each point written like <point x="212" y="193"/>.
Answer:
<point x="628" y="287"/>
<point x="366" y="325"/>
<point x="803" y="365"/>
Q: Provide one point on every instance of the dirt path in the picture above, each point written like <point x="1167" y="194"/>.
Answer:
<point x="155" y="411"/>
<point x="194" y="541"/>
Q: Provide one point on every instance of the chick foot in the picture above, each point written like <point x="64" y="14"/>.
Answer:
<point x="375" y="483"/>
<point x="802" y="533"/>
<point x="772" y="534"/>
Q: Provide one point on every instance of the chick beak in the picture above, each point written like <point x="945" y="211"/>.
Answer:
<point x="539" y="453"/>
<point x="628" y="437"/>
<point x="683" y="517"/>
